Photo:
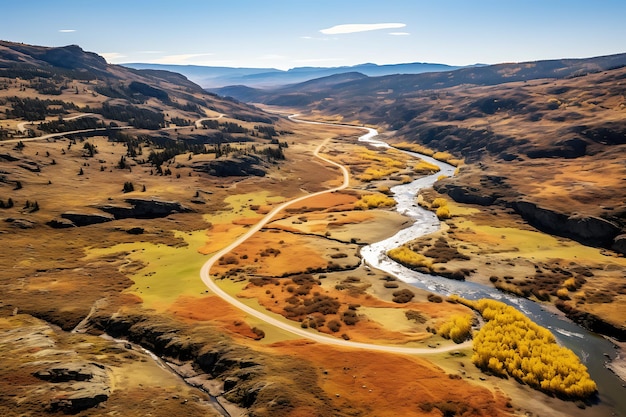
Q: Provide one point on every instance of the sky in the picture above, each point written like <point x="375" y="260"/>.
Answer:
<point x="285" y="34"/>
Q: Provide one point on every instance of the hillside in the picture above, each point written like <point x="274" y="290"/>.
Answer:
<point x="86" y="78"/>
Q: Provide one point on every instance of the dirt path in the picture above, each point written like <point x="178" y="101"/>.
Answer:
<point x="22" y="128"/>
<point x="311" y="335"/>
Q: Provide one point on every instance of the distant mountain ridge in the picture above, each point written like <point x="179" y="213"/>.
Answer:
<point x="216" y="77"/>
<point x="399" y="85"/>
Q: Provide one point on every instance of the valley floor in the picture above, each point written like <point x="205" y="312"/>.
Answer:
<point x="139" y="279"/>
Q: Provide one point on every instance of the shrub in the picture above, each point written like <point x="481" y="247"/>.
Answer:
<point x="334" y="326"/>
<point x="443" y="213"/>
<point x="434" y="298"/>
<point x="349" y="317"/>
<point x="260" y="334"/>
<point x="563" y="293"/>
<point x="458" y="328"/>
<point x="570" y="284"/>
<point x="128" y="186"/>
<point x="416" y="316"/>
<point x="410" y="259"/>
<point x="426" y="167"/>
<point x="439" y="202"/>
<point x="374" y="201"/>
<point x="402" y="296"/>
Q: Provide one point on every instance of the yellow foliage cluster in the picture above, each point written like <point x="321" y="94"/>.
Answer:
<point x="378" y="157"/>
<point x="414" y="147"/>
<point x="458" y="328"/>
<point x="511" y="344"/>
<point x="439" y="202"/>
<point x="374" y="201"/>
<point x="442" y="156"/>
<point x="563" y="293"/>
<point x="570" y="284"/>
<point x="384" y="166"/>
<point x="408" y="258"/>
<point x="384" y="189"/>
<point x="443" y="212"/>
<point x="447" y="157"/>
<point x="423" y="166"/>
<point x="373" y="174"/>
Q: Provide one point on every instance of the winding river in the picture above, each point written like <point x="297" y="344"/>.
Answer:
<point x="591" y="348"/>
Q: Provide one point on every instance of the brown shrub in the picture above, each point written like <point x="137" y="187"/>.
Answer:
<point x="349" y="317"/>
<point x="416" y="316"/>
<point x="434" y="298"/>
<point x="334" y="326"/>
<point x="402" y="296"/>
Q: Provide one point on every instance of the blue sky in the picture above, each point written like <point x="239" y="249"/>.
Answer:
<point x="293" y="33"/>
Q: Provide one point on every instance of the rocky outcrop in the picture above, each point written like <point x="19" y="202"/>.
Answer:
<point x="60" y="223"/>
<point x="71" y="371"/>
<point x="54" y="375"/>
<point x="467" y="195"/>
<point x="86" y="219"/>
<point x="586" y="229"/>
<point x="21" y="223"/>
<point x="77" y="385"/>
<point x="138" y="209"/>
<point x="145" y="209"/>
<point x="619" y="244"/>
<point x="239" y="166"/>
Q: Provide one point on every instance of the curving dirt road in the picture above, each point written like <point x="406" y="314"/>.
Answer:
<point x="311" y="335"/>
<point x="22" y="128"/>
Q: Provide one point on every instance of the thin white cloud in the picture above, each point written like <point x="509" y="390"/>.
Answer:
<point x="360" y="27"/>
<point x="67" y="30"/>
<point x="113" y="57"/>
<point x="179" y="58"/>
<point x="399" y="33"/>
<point x="150" y="52"/>
<point x="314" y="38"/>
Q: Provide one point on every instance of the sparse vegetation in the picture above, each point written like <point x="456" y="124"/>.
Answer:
<point x="405" y="256"/>
<point x="374" y="201"/>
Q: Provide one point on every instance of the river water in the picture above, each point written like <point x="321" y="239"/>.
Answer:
<point x="591" y="348"/>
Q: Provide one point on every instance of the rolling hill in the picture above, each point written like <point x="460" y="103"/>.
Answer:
<point x="66" y="73"/>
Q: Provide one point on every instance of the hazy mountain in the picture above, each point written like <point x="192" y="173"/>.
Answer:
<point x="216" y="77"/>
<point x="393" y="86"/>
